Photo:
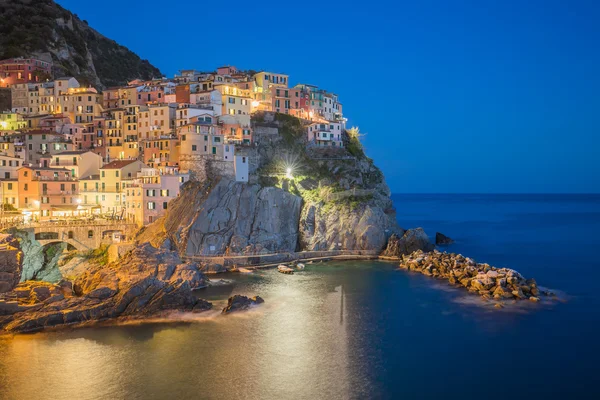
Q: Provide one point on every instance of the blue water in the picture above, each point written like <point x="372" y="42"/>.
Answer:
<point x="361" y="329"/>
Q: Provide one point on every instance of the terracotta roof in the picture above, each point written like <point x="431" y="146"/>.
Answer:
<point x="118" y="164"/>
<point x="72" y="153"/>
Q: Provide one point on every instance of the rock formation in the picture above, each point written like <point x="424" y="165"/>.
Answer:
<point x="11" y="260"/>
<point x="483" y="279"/>
<point x="234" y="218"/>
<point x="412" y="240"/>
<point x="240" y="303"/>
<point x="45" y="30"/>
<point x="39" y="262"/>
<point x="442" y="240"/>
<point x="145" y="283"/>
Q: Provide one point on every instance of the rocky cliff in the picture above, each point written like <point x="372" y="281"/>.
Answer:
<point x="11" y="260"/>
<point x="335" y="201"/>
<point x="230" y="217"/>
<point x="147" y="282"/>
<point x="43" y="28"/>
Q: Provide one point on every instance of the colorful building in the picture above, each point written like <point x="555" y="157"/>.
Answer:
<point x="113" y="179"/>
<point x="24" y="70"/>
<point x="149" y="194"/>
<point x="48" y="192"/>
<point x="325" y="133"/>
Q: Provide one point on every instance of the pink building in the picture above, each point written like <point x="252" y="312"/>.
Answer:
<point x="150" y="95"/>
<point x="226" y="70"/>
<point x="23" y="70"/>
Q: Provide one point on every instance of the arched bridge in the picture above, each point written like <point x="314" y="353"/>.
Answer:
<point x="82" y="236"/>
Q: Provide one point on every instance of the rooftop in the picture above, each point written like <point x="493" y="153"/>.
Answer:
<point x="118" y="164"/>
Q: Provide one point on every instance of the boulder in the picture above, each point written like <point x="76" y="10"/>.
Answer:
<point x="411" y="241"/>
<point x="240" y="303"/>
<point x="442" y="240"/>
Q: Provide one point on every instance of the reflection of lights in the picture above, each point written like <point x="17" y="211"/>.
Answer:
<point x="255" y="103"/>
<point x="311" y="114"/>
<point x="288" y="173"/>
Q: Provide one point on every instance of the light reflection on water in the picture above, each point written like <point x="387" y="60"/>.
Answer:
<point x="335" y="331"/>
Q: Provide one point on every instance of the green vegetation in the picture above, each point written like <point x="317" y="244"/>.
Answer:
<point x="8" y="207"/>
<point x="353" y="144"/>
<point x="99" y="255"/>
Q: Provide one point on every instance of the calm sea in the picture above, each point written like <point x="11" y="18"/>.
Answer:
<point x="361" y="330"/>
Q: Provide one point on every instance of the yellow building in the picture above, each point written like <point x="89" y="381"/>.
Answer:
<point x="113" y="178"/>
<point x="81" y="105"/>
<point x="10" y="121"/>
<point x="236" y="102"/>
<point x="9" y="192"/>
<point x="155" y="121"/>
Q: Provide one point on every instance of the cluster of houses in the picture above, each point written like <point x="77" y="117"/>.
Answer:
<point x="68" y="150"/>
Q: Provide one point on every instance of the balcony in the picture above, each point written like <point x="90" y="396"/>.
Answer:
<point x="54" y="178"/>
<point x="59" y="193"/>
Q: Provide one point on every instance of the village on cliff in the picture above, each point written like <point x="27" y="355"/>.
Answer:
<point x="68" y="151"/>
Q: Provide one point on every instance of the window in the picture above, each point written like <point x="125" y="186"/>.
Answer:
<point x="164" y="193"/>
<point x="117" y="174"/>
<point x="194" y="147"/>
<point x="90" y="234"/>
<point x="103" y="174"/>
<point x="25" y="187"/>
<point x="151" y="205"/>
<point x="165" y="205"/>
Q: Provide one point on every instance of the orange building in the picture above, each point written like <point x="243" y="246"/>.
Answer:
<point x="48" y="192"/>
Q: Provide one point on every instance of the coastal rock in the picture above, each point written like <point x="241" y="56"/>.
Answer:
<point x="144" y="283"/>
<point x="442" y="240"/>
<point x="11" y="262"/>
<point x="487" y="281"/>
<point x="411" y="241"/>
<point x="240" y="303"/>
<point x="229" y="218"/>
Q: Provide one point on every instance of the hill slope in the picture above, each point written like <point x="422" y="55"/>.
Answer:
<point x="45" y="29"/>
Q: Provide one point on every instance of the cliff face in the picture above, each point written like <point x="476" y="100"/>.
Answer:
<point x="43" y="28"/>
<point x="146" y="282"/>
<point x="335" y="201"/>
<point x="233" y="218"/>
<point x="352" y="219"/>
<point x="11" y="259"/>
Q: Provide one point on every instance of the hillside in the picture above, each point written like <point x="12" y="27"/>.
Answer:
<point x="337" y="199"/>
<point x="45" y="29"/>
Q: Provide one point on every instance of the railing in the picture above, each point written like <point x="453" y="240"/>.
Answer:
<point x="58" y="193"/>
<point x="52" y="178"/>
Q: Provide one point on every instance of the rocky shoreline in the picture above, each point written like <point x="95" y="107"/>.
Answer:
<point x="146" y="283"/>
<point x="491" y="283"/>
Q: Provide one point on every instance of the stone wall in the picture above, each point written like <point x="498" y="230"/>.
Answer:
<point x="118" y="250"/>
<point x="203" y="167"/>
<point x="5" y="99"/>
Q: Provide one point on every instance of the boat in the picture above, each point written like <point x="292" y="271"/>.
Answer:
<point x="284" y="269"/>
<point x="300" y="266"/>
<point x="244" y="270"/>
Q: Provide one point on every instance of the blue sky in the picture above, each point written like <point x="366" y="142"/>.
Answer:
<point x="454" y="96"/>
